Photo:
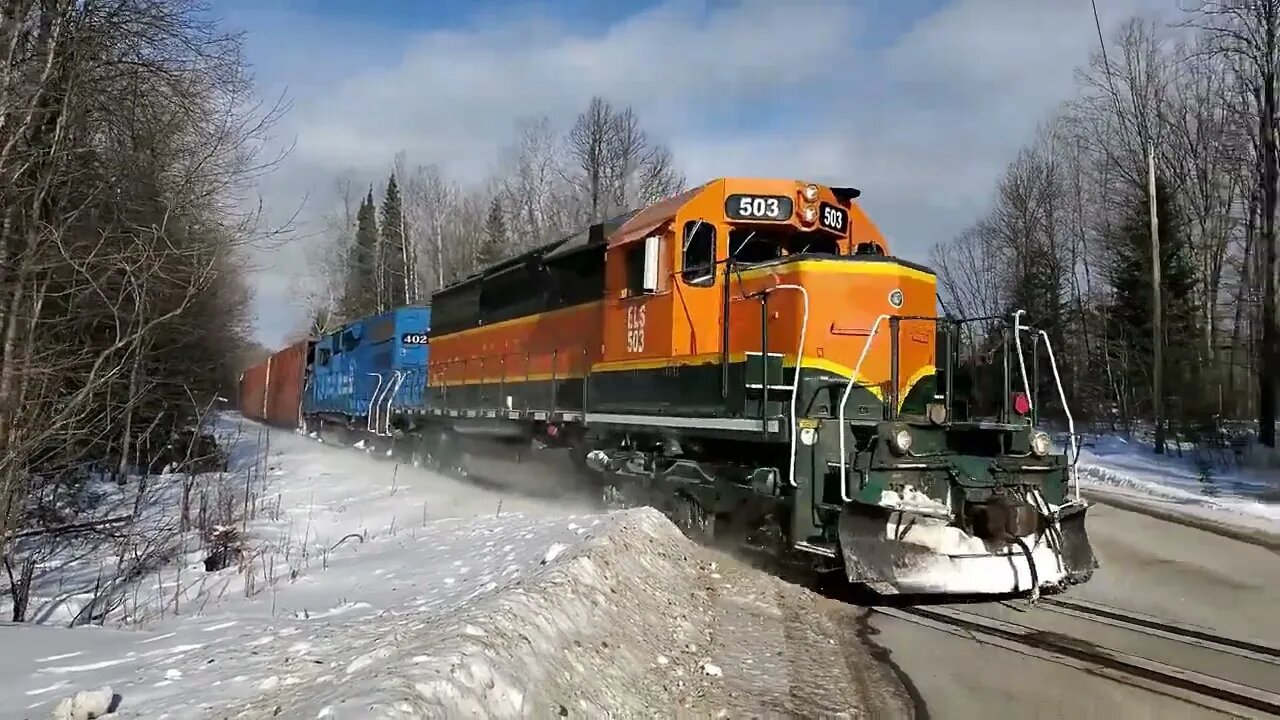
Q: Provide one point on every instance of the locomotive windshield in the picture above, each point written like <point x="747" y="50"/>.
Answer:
<point x="762" y="244"/>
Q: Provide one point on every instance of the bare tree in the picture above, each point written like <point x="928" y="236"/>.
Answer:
<point x="430" y="202"/>
<point x="326" y="256"/>
<point x="127" y="147"/>
<point x="1249" y="33"/>
<point x="615" y="166"/>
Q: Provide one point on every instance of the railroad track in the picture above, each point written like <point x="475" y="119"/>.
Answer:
<point x="1190" y="685"/>
<point x="1158" y="627"/>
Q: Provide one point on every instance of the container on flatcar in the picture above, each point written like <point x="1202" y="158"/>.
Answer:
<point x="284" y="387"/>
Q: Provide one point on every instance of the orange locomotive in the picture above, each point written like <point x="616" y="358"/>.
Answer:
<point x="748" y="356"/>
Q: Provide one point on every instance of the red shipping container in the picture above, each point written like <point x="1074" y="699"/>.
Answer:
<point x="284" y="385"/>
<point x="253" y="387"/>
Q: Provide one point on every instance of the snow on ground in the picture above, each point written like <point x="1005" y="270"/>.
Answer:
<point x="370" y="589"/>
<point x="1209" y="488"/>
<point x="361" y="591"/>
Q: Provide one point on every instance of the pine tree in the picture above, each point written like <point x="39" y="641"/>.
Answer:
<point x="1129" y="313"/>
<point x="493" y="244"/>
<point x="394" y="251"/>
<point x="361" y="297"/>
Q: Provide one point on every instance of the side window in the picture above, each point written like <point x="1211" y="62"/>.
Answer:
<point x="698" y="262"/>
<point x="633" y="260"/>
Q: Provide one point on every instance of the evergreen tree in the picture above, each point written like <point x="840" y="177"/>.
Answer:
<point x="361" y="291"/>
<point x="1129" y="313"/>
<point x="394" y="250"/>
<point x="493" y="244"/>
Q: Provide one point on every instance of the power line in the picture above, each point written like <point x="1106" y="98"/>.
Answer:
<point x="1106" y="65"/>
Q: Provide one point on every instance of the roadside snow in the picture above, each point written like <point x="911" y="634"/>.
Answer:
<point x="411" y="617"/>
<point x="1130" y="472"/>
<point x="371" y="590"/>
<point x="347" y="559"/>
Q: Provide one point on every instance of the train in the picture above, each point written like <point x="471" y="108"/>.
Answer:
<point x="749" y="357"/>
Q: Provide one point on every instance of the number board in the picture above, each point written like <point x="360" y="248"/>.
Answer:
<point x="759" y="207"/>
<point x="413" y="339"/>
<point x="833" y="218"/>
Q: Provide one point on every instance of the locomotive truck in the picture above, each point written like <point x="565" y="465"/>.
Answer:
<point x="749" y="357"/>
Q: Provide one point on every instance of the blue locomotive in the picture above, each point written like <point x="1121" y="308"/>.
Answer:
<point x="369" y="377"/>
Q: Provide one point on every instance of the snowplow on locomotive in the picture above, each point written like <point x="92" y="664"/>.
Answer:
<point x="749" y="357"/>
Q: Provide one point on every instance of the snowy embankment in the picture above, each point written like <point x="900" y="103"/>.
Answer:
<point x="1207" y="492"/>
<point x="363" y="589"/>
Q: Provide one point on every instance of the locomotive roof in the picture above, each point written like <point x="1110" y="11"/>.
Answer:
<point x="588" y="236"/>
<point x="617" y="230"/>
<point x="650" y="218"/>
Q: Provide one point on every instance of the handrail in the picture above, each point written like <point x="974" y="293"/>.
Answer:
<point x="373" y="403"/>
<point x="1022" y="362"/>
<point x="393" y="387"/>
<point x="795" y="380"/>
<point x="1018" y="327"/>
<point x="1071" y="423"/>
<point x="844" y="398"/>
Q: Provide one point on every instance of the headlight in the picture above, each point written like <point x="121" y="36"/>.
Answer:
<point x="1040" y="443"/>
<point x="810" y="192"/>
<point x="936" y="412"/>
<point x="810" y="213"/>
<point x="901" y="440"/>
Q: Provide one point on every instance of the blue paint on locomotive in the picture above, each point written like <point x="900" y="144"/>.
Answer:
<point x="362" y="361"/>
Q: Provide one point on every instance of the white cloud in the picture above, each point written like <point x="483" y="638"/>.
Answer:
<point x="923" y="126"/>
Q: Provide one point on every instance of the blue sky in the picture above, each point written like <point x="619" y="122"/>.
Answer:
<point x="920" y="103"/>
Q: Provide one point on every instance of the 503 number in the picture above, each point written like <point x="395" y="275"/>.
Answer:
<point x="758" y="207"/>
<point x="833" y="218"/>
<point x="635" y="328"/>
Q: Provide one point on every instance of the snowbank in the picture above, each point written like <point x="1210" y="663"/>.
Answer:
<point x="518" y="618"/>
<point x="367" y="589"/>
<point x="583" y="635"/>
<point x="1243" y="503"/>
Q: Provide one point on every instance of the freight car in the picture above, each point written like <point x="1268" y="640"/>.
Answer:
<point x="749" y="357"/>
<point x="271" y="391"/>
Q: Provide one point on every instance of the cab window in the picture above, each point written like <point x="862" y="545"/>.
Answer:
<point x="749" y="246"/>
<point x="812" y="243"/>
<point x="699" y="254"/>
<point x="633" y="261"/>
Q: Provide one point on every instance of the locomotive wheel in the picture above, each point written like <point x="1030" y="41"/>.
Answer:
<point x="445" y="455"/>
<point x="611" y="497"/>
<point x="692" y="519"/>
<point x="427" y="451"/>
<point x="419" y="451"/>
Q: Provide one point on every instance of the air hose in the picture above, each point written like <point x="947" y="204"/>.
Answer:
<point x="1031" y="565"/>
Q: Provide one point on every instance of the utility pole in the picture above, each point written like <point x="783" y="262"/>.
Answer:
<point x="1157" y="323"/>
<point x="1270" y="339"/>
